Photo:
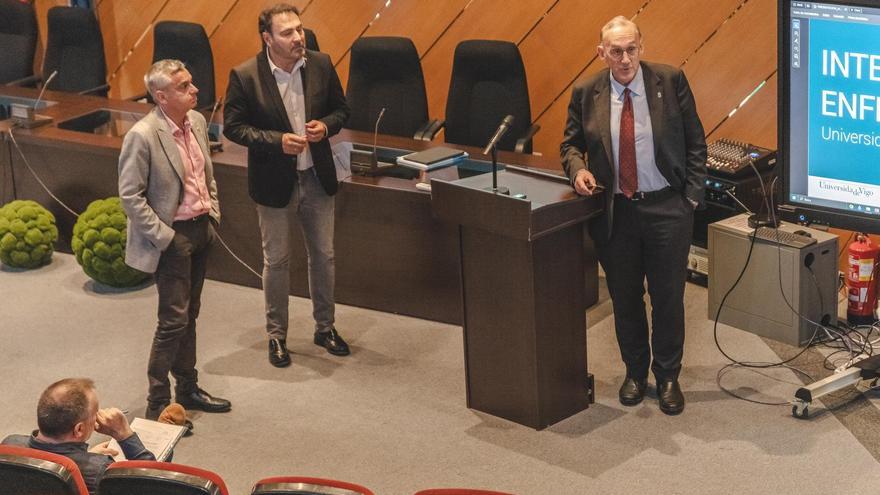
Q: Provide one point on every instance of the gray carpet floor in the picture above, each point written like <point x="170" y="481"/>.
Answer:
<point x="392" y="415"/>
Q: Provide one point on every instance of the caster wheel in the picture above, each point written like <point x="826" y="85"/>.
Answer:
<point x="800" y="412"/>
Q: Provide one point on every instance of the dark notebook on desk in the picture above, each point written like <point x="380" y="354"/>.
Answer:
<point x="432" y="158"/>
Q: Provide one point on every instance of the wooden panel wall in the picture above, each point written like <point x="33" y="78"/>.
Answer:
<point x="726" y="47"/>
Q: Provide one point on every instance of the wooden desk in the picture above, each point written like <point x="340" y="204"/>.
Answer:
<point x="391" y="253"/>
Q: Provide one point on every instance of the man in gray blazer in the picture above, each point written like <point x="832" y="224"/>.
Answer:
<point x="166" y="184"/>
<point x="634" y="129"/>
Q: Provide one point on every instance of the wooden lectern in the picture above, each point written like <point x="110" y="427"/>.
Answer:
<point x="522" y="270"/>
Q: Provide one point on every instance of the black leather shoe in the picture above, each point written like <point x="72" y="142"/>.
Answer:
<point x="278" y="355"/>
<point x="203" y="401"/>
<point x="670" y="397"/>
<point x="331" y="341"/>
<point x="632" y="391"/>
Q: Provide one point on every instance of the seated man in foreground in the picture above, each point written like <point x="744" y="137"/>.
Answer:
<point x="67" y="414"/>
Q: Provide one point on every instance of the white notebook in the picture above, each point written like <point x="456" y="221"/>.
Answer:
<point x="158" y="438"/>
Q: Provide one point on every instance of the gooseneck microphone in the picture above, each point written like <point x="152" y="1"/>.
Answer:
<point x="26" y="115"/>
<point x="374" y="160"/>
<point x="43" y="90"/>
<point x="499" y="133"/>
<point x="493" y="147"/>
<point x="214" y="110"/>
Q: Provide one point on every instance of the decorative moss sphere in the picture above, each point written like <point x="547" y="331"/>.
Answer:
<point x="99" y="244"/>
<point x="27" y="234"/>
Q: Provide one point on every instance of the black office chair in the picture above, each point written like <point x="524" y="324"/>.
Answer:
<point x="386" y="73"/>
<point x="75" y="49"/>
<point x="311" y="40"/>
<point x="188" y="42"/>
<point x="489" y="82"/>
<point x="18" y="40"/>
<point x="159" y="478"/>
<point x="25" y="471"/>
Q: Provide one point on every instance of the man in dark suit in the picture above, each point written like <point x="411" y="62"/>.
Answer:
<point x="634" y="129"/>
<point x="283" y="105"/>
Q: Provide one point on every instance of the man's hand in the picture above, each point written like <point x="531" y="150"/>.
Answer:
<point x="293" y="144"/>
<point x="113" y="423"/>
<point x="584" y="182"/>
<point x="315" y="131"/>
<point x="103" y="449"/>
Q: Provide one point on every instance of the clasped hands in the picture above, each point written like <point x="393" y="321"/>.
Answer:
<point x="294" y="144"/>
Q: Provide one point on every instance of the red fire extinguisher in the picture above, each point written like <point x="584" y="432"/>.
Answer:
<point x="861" y="280"/>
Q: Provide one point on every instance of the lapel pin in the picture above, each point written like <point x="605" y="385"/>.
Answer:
<point x="659" y="94"/>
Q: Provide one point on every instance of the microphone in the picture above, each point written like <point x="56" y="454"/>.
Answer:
<point x="499" y="133"/>
<point x="214" y="143"/>
<point x="374" y="161"/>
<point x="214" y="110"/>
<point x="43" y="89"/>
<point x="26" y="116"/>
<point x="364" y="161"/>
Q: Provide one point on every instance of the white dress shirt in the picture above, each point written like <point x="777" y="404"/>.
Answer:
<point x="291" y="88"/>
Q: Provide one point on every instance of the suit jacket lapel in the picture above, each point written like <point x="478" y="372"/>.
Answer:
<point x="270" y="88"/>
<point x="602" y="104"/>
<point x="168" y="144"/>
<point x="654" y="94"/>
<point x="308" y="74"/>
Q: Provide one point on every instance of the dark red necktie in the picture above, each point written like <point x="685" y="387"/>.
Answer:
<point x="627" y="172"/>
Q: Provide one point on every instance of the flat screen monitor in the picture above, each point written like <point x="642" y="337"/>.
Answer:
<point x="829" y="113"/>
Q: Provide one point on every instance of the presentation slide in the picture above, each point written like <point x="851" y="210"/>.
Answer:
<point x="834" y="106"/>
<point x="844" y="112"/>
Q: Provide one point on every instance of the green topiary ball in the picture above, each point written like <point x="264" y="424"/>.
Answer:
<point x="99" y="244"/>
<point x="27" y="234"/>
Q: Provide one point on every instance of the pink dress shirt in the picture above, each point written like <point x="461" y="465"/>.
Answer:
<point x="196" y="200"/>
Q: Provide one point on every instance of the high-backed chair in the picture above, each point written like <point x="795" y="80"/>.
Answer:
<point x="25" y="471"/>
<point x="489" y="82"/>
<point x="300" y="485"/>
<point x="458" y="491"/>
<point x="75" y="49"/>
<point x="311" y="40"/>
<point x="18" y="40"/>
<point x="385" y="72"/>
<point x="159" y="478"/>
<point x="188" y="42"/>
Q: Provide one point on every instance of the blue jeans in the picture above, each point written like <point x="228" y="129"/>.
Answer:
<point x="315" y="211"/>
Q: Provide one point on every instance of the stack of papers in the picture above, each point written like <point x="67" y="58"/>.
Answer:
<point x="433" y="158"/>
<point x="158" y="438"/>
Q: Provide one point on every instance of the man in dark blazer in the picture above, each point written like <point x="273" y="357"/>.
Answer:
<point x="634" y="129"/>
<point x="283" y="105"/>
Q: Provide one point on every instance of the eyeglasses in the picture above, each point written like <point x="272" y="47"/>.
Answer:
<point x="616" y="53"/>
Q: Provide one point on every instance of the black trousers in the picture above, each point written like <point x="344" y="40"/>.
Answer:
<point x="179" y="281"/>
<point x="649" y="240"/>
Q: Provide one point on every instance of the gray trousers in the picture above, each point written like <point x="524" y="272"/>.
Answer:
<point x="315" y="211"/>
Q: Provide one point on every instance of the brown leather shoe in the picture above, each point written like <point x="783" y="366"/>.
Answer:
<point x="175" y="414"/>
<point x="632" y="391"/>
<point x="670" y="397"/>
